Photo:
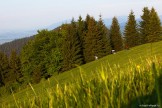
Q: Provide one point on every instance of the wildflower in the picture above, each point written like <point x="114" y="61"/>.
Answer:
<point x="103" y="75"/>
<point x="138" y="66"/>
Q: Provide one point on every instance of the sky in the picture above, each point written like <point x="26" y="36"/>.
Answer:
<point x="35" y="14"/>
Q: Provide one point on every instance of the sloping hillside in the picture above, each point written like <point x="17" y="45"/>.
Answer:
<point x="123" y="60"/>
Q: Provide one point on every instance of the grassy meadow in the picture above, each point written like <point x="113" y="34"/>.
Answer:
<point x="128" y="79"/>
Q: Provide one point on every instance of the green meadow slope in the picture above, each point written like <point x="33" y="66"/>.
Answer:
<point x="137" y="55"/>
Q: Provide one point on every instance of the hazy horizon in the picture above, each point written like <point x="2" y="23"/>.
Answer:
<point x="27" y="15"/>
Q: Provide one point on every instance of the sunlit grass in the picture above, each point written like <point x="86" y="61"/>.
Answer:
<point x="121" y="80"/>
<point x="110" y="88"/>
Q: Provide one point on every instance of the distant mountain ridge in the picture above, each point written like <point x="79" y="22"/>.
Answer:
<point x="8" y="36"/>
<point x="20" y="41"/>
<point x="12" y="35"/>
<point x="55" y="25"/>
<point x="16" y="45"/>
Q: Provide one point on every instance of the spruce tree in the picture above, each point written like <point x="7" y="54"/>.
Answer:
<point x="15" y="66"/>
<point x="96" y="39"/>
<point x="1" y="80"/>
<point x="6" y="76"/>
<point x="88" y="18"/>
<point x="103" y="41"/>
<point x="71" y="48"/>
<point x="144" y="25"/>
<point x="81" y="34"/>
<point x="131" y="32"/>
<point x="81" y="29"/>
<point x="90" y="40"/>
<point x="115" y="35"/>
<point x="154" y="27"/>
<point x="1" y="70"/>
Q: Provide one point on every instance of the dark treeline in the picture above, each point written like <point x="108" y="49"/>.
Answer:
<point x="60" y="50"/>
<point x="72" y="45"/>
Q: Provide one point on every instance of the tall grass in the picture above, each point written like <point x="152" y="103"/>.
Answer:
<point x="136" y="86"/>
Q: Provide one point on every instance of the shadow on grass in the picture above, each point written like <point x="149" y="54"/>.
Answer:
<point x="147" y="101"/>
<point x="153" y="100"/>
